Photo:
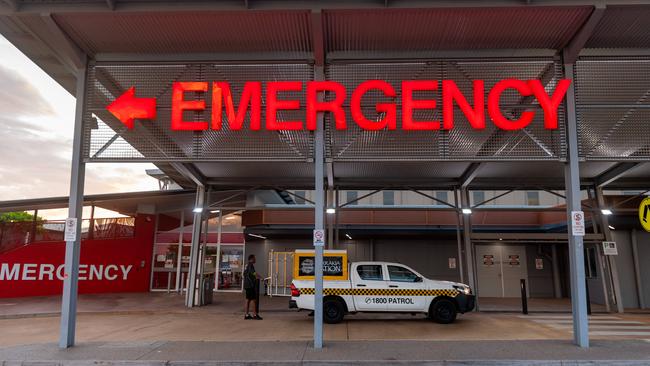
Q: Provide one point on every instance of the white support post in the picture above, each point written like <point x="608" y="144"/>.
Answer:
<point x="573" y="203"/>
<point x="467" y="238"/>
<point x="75" y="210"/>
<point x="179" y="256"/>
<point x="319" y="220"/>
<point x="190" y="299"/>
<point x="613" y="269"/>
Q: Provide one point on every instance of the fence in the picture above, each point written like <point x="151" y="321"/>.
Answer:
<point x="17" y="234"/>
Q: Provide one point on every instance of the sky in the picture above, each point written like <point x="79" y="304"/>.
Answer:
<point x="36" y="130"/>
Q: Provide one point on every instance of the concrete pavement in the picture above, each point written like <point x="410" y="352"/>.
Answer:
<point x="156" y="330"/>
<point x="540" y="352"/>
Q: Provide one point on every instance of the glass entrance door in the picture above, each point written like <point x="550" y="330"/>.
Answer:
<point x="230" y="267"/>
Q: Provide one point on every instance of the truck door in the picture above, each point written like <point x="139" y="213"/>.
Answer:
<point x="406" y="288"/>
<point x="369" y="285"/>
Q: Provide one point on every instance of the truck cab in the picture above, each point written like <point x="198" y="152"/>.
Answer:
<point x="385" y="287"/>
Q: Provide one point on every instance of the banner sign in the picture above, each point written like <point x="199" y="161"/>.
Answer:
<point x="195" y="96"/>
<point x="335" y="265"/>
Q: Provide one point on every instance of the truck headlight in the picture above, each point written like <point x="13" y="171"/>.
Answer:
<point x="463" y="289"/>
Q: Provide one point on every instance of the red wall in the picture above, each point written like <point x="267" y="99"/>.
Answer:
<point x="111" y="256"/>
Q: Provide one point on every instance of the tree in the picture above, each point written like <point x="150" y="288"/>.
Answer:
<point x="17" y="217"/>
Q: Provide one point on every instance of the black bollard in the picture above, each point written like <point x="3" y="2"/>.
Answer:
<point x="257" y="297"/>
<point x="524" y="299"/>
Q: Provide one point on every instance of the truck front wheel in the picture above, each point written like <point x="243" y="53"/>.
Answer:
<point x="443" y="311"/>
<point x="333" y="311"/>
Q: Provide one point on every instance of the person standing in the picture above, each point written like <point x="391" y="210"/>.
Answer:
<point x="251" y="287"/>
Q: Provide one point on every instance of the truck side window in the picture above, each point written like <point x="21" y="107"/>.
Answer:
<point x="401" y="274"/>
<point x="370" y="272"/>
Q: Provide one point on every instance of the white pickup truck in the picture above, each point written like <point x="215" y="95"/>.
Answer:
<point x="385" y="287"/>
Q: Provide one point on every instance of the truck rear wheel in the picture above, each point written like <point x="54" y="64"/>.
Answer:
<point x="333" y="311"/>
<point x="443" y="311"/>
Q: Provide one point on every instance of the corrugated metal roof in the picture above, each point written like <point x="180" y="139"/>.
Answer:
<point x="452" y="28"/>
<point x="623" y="27"/>
<point x="189" y="32"/>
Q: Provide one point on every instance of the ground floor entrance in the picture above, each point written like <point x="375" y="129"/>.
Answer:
<point x="500" y="268"/>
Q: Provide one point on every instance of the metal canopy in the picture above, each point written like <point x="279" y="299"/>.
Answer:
<point x="391" y="40"/>
<point x="110" y="45"/>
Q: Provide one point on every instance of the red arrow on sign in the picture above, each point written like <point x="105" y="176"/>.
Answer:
<point x="127" y="108"/>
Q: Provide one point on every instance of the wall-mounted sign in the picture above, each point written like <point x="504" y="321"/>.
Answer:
<point x="539" y="263"/>
<point x="452" y="263"/>
<point x="609" y="248"/>
<point x="513" y="259"/>
<point x="488" y="259"/>
<point x="335" y="265"/>
<point x="644" y="214"/>
<point x="319" y="237"/>
<point x="578" y="223"/>
<point x="218" y="94"/>
<point x="169" y="263"/>
<point x="70" y="229"/>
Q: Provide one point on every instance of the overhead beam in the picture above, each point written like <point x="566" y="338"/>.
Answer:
<point x="469" y="174"/>
<point x="238" y="5"/>
<point x="318" y="39"/>
<point x="614" y="173"/>
<point x="71" y="55"/>
<point x="190" y="171"/>
<point x="223" y="57"/>
<point x="571" y="51"/>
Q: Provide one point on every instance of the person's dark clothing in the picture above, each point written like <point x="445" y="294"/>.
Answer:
<point x="250" y="282"/>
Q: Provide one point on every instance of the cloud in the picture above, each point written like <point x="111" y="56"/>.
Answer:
<point x="36" y="120"/>
<point x="19" y="98"/>
<point x="38" y="165"/>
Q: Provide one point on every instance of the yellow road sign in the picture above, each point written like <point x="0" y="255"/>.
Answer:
<point x="644" y="214"/>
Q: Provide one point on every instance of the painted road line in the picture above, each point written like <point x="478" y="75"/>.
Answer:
<point x="594" y="322"/>
<point x="626" y="333"/>
<point x="566" y="317"/>
<point x="608" y="327"/>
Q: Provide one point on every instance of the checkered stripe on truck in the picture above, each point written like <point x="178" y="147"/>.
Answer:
<point x="382" y="292"/>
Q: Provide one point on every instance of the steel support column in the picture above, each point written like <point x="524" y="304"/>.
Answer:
<point x="190" y="298"/>
<point x="616" y="285"/>
<point x="467" y="239"/>
<point x="319" y="220"/>
<point x="573" y="202"/>
<point x="75" y="210"/>
<point x="179" y="257"/>
<point x="459" y="239"/>
<point x="637" y="270"/>
<point x="557" y="288"/>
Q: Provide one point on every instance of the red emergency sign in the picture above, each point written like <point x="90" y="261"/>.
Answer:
<point x="127" y="107"/>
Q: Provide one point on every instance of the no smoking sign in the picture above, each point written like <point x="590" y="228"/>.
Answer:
<point x="319" y="237"/>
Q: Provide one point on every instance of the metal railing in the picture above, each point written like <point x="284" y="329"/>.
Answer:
<point x="280" y="273"/>
<point x="17" y="234"/>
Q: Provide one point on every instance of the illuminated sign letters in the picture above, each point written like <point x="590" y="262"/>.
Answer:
<point x="127" y="107"/>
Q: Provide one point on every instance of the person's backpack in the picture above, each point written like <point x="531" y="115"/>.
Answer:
<point x="248" y="278"/>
